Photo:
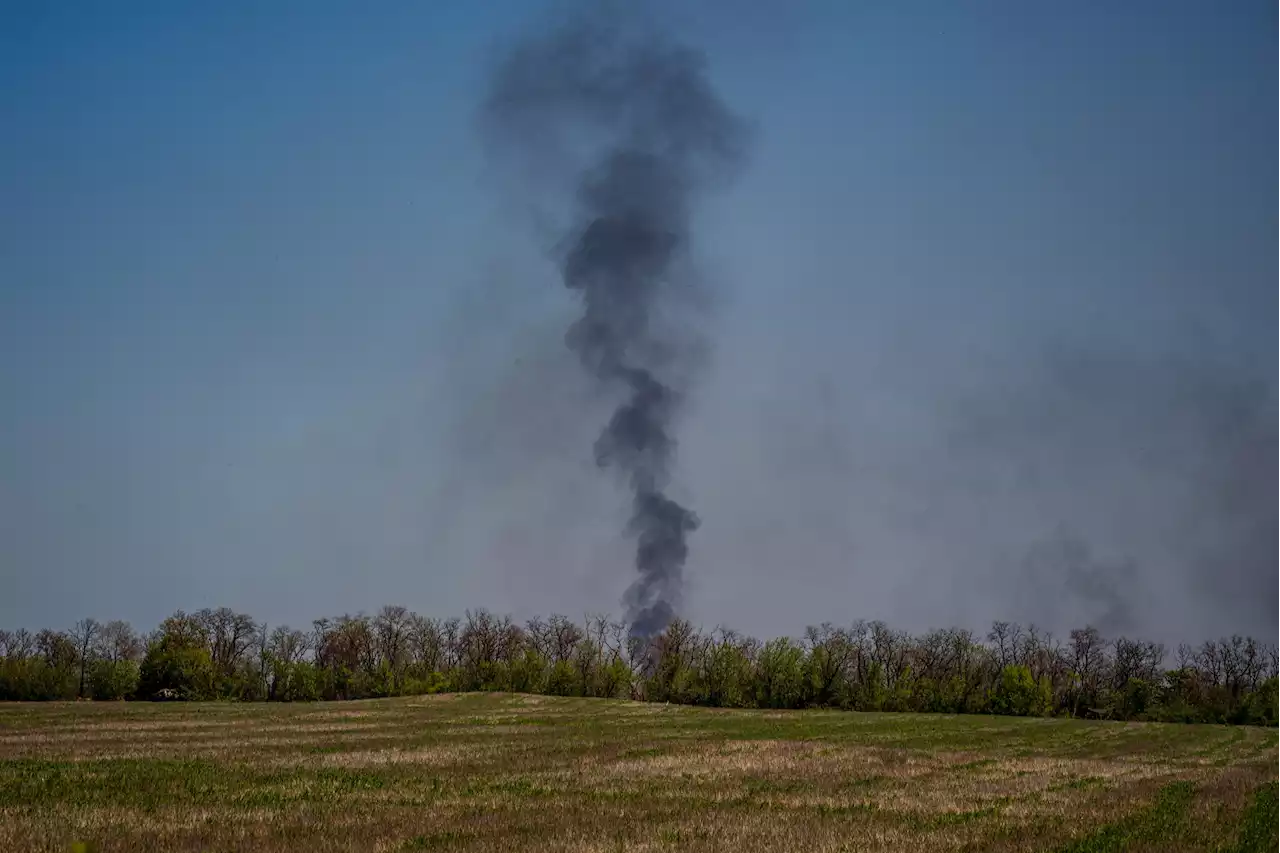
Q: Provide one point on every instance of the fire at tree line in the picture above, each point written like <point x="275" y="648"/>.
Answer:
<point x="221" y="654"/>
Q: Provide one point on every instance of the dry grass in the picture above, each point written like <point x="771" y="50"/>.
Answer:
<point x="498" y="773"/>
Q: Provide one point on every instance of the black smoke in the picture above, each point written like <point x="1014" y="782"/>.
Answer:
<point x="1072" y="578"/>
<point x="629" y="115"/>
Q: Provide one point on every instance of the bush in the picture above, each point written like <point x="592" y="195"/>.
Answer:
<point x="1268" y="696"/>
<point x="185" y="670"/>
<point x="34" y="680"/>
<point x="613" y="681"/>
<point x="1135" y="699"/>
<point x="111" y="681"/>
<point x="780" y="675"/>
<point x="563" y="680"/>
<point x="528" y="674"/>
<point x="1018" y="694"/>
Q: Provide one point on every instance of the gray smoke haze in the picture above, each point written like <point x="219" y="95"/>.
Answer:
<point x="1169" y="463"/>
<point x="656" y="136"/>
<point x="997" y="339"/>
<point x="998" y="342"/>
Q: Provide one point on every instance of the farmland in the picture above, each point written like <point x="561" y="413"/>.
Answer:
<point x="496" y="772"/>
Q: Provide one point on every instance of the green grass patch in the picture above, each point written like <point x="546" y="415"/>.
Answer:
<point x="486" y="772"/>
<point x="1258" y="829"/>
<point x="1163" y="822"/>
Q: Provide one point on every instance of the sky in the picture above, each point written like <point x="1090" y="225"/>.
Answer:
<point x="988" y="318"/>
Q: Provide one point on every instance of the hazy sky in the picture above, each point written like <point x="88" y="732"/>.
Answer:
<point x="991" y="321"/>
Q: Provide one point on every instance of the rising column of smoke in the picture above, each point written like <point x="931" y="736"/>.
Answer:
<point x="657" y="135"/>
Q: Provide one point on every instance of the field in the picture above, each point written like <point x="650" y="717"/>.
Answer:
<point x="500" y="772"/>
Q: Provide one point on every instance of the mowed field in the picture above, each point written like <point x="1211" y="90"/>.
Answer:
<point x="502" y="772"/>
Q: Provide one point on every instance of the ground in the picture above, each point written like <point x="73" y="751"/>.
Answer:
<point x="501" y="772"/>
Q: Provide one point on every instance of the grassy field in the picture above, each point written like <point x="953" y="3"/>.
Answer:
<point x="498" y="773"/>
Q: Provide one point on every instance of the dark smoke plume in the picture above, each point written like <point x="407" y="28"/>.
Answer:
<point x="656" y="136"/>
<point x="1066" y="572"/>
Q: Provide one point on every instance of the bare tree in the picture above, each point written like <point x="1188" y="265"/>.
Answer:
<point x="119" y="642"/>
<point x="1088" y="660"/>
<point x="22" y="644"/>
<point x="830" y="655"/>
<point x="450" y="630"/>
<point x="1241" y="664"/>
<point x="284" y="647"/>
<point x="85" y="634"/>
<point x="478" y="641"/>
<point x="860" y="639"/>
<point x="345" y="642"/>
<point x="511" y="640"/>
<point x="1186" y="656"/>
<point x="182" y="630"/>
<point x="1273" y="661"/>
<point x="230" y="635"/>
<point x="391" y="629"/>
<point x="616" y="640"/>
<point x="1008" y="640"/>
<point x="889" y="652"/>
<point x="562" y="636"/>
<point x="262" y="642"/>
<point x="1209" y="662"/>
<point x="287" y="645"/>
<point x="539" y="634"/>
<point x="971" y="664"/>
<point x="426" y="645"/>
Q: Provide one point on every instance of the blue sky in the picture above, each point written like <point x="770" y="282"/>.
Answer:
<point x="273" y="334"/>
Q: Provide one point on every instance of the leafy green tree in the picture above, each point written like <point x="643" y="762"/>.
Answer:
<point x="779" y="680"/>
<point x="185" y="670"/>
<point x="528" y="673"/>
<point x="870" y="693"/>
<point x="563" y="679"/>
<point x="1267" y="698"/>
<point x="113" y="680"/>
<point x="57" y="678"/>
<point x="301" y="683"/>
<point x="178" y="660"/>
<point x="1134" y="698"/>
<point x="902" y="696"/>
<point x="1018" y="694"/>
<point x="831" y="651"/>
<point x="33" y="679"/>
<point x="667" y="661"/>
<point x="614" y="680"/>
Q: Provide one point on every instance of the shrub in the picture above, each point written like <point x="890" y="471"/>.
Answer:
<point x="1018" y="694"/>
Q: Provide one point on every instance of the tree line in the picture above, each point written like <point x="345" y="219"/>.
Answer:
<point x="1016" y="670"/>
